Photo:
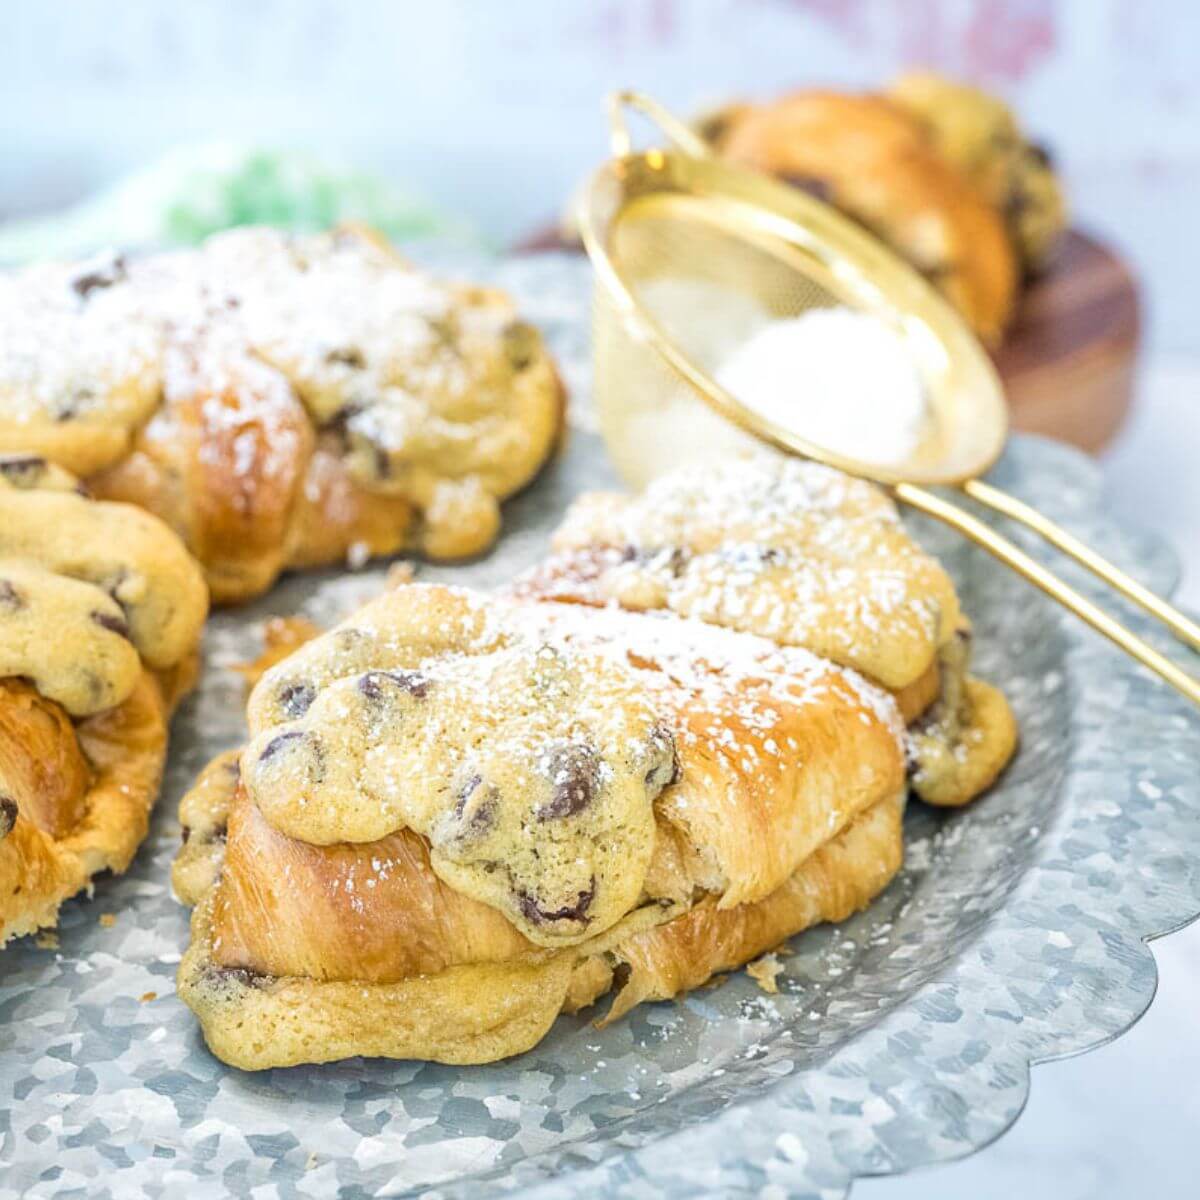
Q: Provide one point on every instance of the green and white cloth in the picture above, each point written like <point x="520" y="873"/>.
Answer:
<point x="195" y="191"/>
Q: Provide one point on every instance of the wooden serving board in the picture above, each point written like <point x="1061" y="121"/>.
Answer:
<point x="1068" y="361"/>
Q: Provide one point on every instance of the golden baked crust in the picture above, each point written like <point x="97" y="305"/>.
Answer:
<point x="281" y="401"/>
<point x="978" y="135"/>
<point x="44" y="862"/>
<point x="100" y="613"/>
<point x="484" y="1011"/>
<point x="871" y="159"/>
<point x="774" y="755"/>
<point x="806" y="556"/>
<point x="837" y="880"/>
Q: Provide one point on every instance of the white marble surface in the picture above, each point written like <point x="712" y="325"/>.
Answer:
<point x="1122" y="1121"/>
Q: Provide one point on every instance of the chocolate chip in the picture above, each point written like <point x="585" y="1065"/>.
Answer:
<point x="341" y="419"/>
<point x="383" y="464"/>
<point x="296" y="698"/>
<point x="536" y="915"/>
<point x="347" y="356"/>
<point x="113" y="624"/>
<point x="69" y="407"/>
<point x="22" y="470"/>
<point x="1041" y="154"/>
<point x="812" y="185"/>
<point x="475" y="807"/>
<point x="665" y="770"/>
<point x="671" y="559"/>
<point x="370" y="685"/>
<point x="929" y="720"/>
<point x="374" y="683"/>
<point x="118" y="580"/>
<point x="278" y="743"/>
<point x="520" y="344"/>
<point x="573" y="769"/>
<point x="95" y="685"/>
<point x="103" y="275"/>
<point x="8" y="815"/>
<point x="1017" y="204"/>
<point x="465" y="792"/>
<point x="752" y="555"/>
<point x="218" y="834"/>
<point x="11" y="599"/>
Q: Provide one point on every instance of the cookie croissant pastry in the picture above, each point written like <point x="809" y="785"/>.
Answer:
<point x="100" y="614"/>
<point x="460" y="815"/>
<point x="677" y="742"/>
<point x="806" y="556"/>
<point x="280" y="401"/>
<point x="978" y="134"/>
<point x="939" y="170"/>
<point x="870" y="158"/>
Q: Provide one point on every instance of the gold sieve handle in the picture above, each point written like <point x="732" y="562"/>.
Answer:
<point x="1010" y="554"/>
<point x="683" y="137"/>
<point x="1181" y="626"/>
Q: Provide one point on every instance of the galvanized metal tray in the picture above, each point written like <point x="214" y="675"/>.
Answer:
<point x="1014" y="934"/>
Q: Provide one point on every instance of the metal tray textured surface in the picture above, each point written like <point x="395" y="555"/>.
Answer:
<point x="1015" y="933"/>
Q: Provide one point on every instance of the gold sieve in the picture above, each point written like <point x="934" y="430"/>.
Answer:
<point x="693" y="254"/>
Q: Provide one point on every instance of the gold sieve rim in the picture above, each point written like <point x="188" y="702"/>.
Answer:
<point x="813" y="239"/>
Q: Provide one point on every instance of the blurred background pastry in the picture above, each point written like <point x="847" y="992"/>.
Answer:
<point x="978" y="134"/>
<point x="938" y="170"/>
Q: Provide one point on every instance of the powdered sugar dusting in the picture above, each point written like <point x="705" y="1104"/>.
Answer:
<point x="793" y="551"/>
<point x="408" y="372"/>
<point x="713" y="666"/>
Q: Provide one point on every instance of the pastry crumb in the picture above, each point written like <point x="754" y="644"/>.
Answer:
<point x="46" y="941"/>
<point x="147" y="996"/>
<point x="108" y="920"/>
<point x="765" y="972"/>
<point x="310" y="1162"/>
<point x="281" y="636"/>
